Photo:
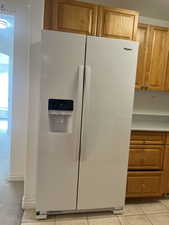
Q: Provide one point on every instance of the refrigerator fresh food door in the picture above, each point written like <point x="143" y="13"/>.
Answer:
<point x="60" y="120"/>
<point x="107" y="113"/>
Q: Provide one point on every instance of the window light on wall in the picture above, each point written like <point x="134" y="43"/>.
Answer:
<point x="4" y="24"/>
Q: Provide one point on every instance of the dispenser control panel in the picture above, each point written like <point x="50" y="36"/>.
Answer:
<point x="60" y="104"/>
<point x="60" y="113"/>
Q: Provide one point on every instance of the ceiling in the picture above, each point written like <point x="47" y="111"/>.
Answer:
<point x="158" y="9"/>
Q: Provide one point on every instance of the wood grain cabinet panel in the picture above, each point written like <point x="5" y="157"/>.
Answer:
<point x="148" y="174"/>
<point x="167" y="138"/>
<point x="157" y="58"/>
<point x="73" y="16"/>
<point x="48" y="15"/>
<point x="166" y="168"/>
<point x="135" y="159"/>
<point x="146" y="157"/>
<point x="147" y="137"/>
<point x="87" y="18"/>
<point x="153" y="157"/>
<point x="142" y="38"/>
<point x="144" y="184"/>
<point x="167" y="75"/>
<point x="117" y="23"/>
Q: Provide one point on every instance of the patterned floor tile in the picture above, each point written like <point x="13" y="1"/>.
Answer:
<point x="154" y="207"/>
<point x="159" y="219"/>
<point x="103" y="219"/>
<point x="133" y="209"/>
<point x="134" y="220"/>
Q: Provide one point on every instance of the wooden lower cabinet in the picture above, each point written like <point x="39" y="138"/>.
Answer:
<point x="146" y="157"/>
<point x="144" y="184"/>
<point x="148" y="137"/>
<point x="148" y="170"/>
<point x="166" y="169"/>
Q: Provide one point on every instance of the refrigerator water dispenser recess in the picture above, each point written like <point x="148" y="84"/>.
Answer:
<point x="60" y="114"/>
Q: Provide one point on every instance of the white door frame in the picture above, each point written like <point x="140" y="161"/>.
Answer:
<point x="18" y="106"/>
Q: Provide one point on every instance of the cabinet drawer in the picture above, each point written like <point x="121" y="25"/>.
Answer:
<point x="144" y="184"/>
<point x="147" y="137"/>
<point x="146" y="157"/>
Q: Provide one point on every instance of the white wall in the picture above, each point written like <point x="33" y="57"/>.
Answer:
<point x="20" y="87"/>
<point x="37" y="20"/>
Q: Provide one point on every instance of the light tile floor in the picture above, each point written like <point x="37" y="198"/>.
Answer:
<point x="138" y="212"/>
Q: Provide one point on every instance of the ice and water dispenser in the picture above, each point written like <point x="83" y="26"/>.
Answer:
<point x="60" y="114"/>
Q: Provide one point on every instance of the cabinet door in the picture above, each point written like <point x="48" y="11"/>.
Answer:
<point x="166" y="169"/>
<point x="157" y="58"/>
<point x="134" y="186"/>
<point x="167" y="74"/>
<point x="117" y="23"/>
<point x="135" y="158"/>
<point x="146" y="157"/>
<point x="142" y="38"/>
<point x="73" y="16"/>
<point x="144" y="184"/>
<point x="153" y="157"/>
<point x="167" y="138"/>
<point x="48" y="15"/>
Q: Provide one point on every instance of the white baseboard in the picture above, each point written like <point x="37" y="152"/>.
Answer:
<point x="12" y="178"/>
<point x="28" y="203"/>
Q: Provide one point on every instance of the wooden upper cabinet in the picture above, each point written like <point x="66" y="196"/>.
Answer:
<point x="91" y="19"/>
<point x="117" y="23"/>
<point x="142" y="38"/>
<point x="157" y="58"/>
<point x="167" y="75"/>
<point x="47" y="23"/>
<point x="153" y="58"/>
<point x="71" y="16"/>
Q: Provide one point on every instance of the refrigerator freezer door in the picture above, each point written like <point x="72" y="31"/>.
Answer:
<point x="111" y="68"/>
<point x="61" y="78"/>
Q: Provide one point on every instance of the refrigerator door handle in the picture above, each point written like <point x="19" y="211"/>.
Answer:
<point x="79" y="98"/>
<point x="80" y="81"/>
<point x="86" y="103"/>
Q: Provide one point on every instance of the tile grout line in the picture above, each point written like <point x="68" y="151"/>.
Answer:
<point x="149" y="219"/>
<point x="119" y="220"/>
<point x="165" y="206"/>
<point x="87" y="221"/>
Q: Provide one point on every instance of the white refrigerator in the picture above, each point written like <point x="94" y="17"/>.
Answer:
<point x="86" y="100"/>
